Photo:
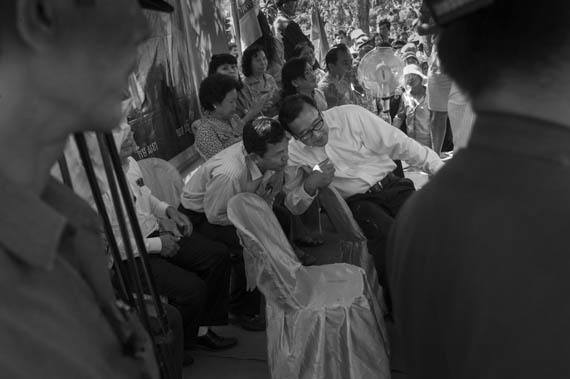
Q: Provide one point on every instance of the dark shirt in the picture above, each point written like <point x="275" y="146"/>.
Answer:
<point x="478" y="262"/>
<point x="53" y="281"/>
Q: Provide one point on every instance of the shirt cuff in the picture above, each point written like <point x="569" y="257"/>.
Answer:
<point x="303" y="194"/>
<point x="161" y="209"/>
<point x="154" y="245"/>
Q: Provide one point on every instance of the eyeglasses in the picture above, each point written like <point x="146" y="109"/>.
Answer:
<point x="315" y="127"/>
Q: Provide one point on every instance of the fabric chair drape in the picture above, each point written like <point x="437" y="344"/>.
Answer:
<point x="322" y="321"/>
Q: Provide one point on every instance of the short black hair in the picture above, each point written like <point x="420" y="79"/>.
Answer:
<point x="259" y="133"/>
<point x="214" y="89"/>
<point x="293" y="69"/>
<point x="300" y="46"/>
<point x="332" y="55"/>
<point x="220" y="60"/>
<point x="478" y="64"/>
<point x="298" y="50"/>
<point x="386" y="22"/>
<point x="247" y="57"/>
<point x="340" y="32"/>
<point x="291" y="108"/>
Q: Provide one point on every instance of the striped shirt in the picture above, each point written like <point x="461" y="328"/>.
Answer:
<point x="220" y="178"/>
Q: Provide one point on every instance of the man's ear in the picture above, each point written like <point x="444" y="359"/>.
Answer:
<point x="254" y="157"/>
<point x="295" y="83"/>
<point x="35" y="22"/>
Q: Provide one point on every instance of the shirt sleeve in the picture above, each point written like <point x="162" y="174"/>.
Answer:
<point x="243" y="101"/>
<point x="152" y="245"/>
<point x="207" y="142"/>
<point x="297" y="200"/>
<point x="158" y="207"/>
<point x="381" y="137"/>
<point x="219" y="190"/>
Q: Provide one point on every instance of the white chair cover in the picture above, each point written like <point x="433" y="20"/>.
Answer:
<point x="163" y="180"/>
<point x="165" y="183"/>
<point x="322" y="321"/>
<point x="354" y="246"/>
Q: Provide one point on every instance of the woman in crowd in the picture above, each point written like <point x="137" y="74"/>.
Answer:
<point x="226" y="64"/>
<point x="307" y="50"/>
<point x="257" y="83"/>
<point x="220" y="127"/>
<point x="299" y="78"/>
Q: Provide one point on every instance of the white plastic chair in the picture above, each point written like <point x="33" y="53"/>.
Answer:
<point x="165" y="183"/>
<point x="322" y="321"/>
<point x="163" y="179"/>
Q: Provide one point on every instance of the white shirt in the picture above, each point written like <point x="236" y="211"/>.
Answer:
<point x="361" y="147"/>
<point x="147" y="206"/>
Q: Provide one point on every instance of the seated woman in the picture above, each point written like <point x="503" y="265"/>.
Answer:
<point x="299" y="78"/>
<point x="220" y="127"/>
<point x="307" y="50"/>
<point x="257" y="83"/>
<point x="226" y="64"/>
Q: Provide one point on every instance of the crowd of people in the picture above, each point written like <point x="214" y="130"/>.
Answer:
<point x="469" y="266"/>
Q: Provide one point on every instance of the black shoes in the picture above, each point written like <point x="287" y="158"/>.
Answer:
<point x="212" y="341"/>
<point x="251" y="323"/>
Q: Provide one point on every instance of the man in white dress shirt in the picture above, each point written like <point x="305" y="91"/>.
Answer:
<point x="355" y="150"/>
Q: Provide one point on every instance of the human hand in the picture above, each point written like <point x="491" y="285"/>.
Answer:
<point x="321" y="176"/>
<point x="258" y="106"/>
<point x="170" y="245"/>
<point x="181" y="220"/>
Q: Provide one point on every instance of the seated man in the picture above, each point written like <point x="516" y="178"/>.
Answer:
<point x="190" y="270"/>
<point x="361" y="147"/>
<point x="254" y="165"/>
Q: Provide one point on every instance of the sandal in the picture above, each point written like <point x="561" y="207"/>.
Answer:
<point x="308" y="242"/>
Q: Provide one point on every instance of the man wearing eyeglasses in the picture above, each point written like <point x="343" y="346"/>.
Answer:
<point x="358" y="149"/>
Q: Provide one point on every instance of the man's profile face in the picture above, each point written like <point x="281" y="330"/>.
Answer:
<point x="343" y="63"/>
<point x="84" y="71"/>
<point x="276" y="156"/>
<point x="310" y="128"/>
<point x="341" y="40"/>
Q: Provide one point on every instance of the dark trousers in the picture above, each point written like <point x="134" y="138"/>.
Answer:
<point x="175" y="356"/>
<point x="196" y="282"/>
<point x="375" y="211"/>
<point x="242" y="302"/>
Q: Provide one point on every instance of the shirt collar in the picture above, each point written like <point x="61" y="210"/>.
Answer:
<point x="31" y="230"/>
<point x="253" y="170"/>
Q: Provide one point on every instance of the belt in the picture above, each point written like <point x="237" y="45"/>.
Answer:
<point x="385" y="182"/>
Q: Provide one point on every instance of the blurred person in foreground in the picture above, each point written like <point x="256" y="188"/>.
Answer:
<point x="478" y="260"/>
<point x="69" y="61"/>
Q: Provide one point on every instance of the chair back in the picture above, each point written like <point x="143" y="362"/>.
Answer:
<point x="270" y="261"/>
<point x="353" y="245"/>
<point x="340" y="215"/>
<point x="163" y="180"/>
